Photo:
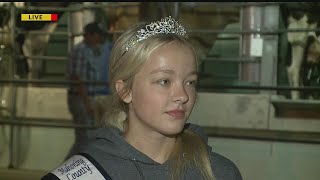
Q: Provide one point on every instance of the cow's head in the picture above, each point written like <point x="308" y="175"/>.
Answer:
<point x="305" y="16"/>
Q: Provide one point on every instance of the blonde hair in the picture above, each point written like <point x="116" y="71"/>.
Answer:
<point x="190" y="149"/>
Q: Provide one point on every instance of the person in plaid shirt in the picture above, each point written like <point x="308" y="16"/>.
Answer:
<point x="88" y="61"/>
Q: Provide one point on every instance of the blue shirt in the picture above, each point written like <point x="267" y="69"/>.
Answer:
<point x="90" y="65"/>
<point x="103" y="67"/>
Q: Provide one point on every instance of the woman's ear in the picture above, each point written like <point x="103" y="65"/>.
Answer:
<point x="124" y="94"/>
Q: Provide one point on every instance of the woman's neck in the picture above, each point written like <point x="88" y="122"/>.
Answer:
<point x="156" y="146"/>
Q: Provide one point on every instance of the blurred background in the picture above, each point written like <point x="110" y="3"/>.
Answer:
<point x="258" y="89"/>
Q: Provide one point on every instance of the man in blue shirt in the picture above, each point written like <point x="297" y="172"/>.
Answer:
<point x="88" y="61"/>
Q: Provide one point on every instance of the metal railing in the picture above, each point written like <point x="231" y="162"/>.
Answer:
<point x="234" y="133"/>
<point x="218" y="132"/>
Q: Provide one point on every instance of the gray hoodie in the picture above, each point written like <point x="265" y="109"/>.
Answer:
<point x="121" y="161"/>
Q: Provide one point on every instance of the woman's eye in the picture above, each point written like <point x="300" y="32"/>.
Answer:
<point x="163" y="81"/>
<point x="191" y="83"/>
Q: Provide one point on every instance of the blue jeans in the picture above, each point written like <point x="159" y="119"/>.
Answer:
<point x="79" y="116"/>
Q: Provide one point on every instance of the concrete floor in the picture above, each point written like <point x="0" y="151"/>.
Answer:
<point x="20" y="174"/>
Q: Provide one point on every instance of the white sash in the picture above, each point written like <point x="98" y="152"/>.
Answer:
<point x="77" y="168"/>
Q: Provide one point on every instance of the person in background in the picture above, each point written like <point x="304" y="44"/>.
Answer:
<point x="153" y="76"/>
<point x="88" y="61"/>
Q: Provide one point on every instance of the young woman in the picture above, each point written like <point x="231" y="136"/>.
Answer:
<point x="153" y="73"/>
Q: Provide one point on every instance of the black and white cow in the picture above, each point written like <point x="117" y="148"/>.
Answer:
<point x="304" y="46"/>
<point x="28" y="44"/>
<point x="35" y="35"/>
<point x="35" y="44"/>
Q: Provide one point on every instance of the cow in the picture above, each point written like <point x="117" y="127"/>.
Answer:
<point x="23" y="38"/>
<point x="32" y="37"/>
<point x="304" y="47"/>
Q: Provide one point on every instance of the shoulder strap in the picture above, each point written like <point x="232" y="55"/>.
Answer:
<point x="97" y="165"/>
<point x="79" y="167"/>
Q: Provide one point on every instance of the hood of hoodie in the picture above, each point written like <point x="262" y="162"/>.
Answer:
<point x="109" y="147"/>
<point x="111" y="141"/>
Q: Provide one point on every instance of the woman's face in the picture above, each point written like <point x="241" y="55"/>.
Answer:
<point x="164" y="91"/>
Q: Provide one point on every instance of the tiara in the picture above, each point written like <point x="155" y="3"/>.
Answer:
<point x="166" y="25"/>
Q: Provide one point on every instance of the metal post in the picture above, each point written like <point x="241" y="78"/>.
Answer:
<point x="269" y="60"/>
<point x="70" y="37"/>
<point x="12" y="149"/>
<point x="250" y="20"/>
<point x="176" y="9"/>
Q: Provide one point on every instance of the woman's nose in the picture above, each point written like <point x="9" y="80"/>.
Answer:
<point x="180" y="94"/>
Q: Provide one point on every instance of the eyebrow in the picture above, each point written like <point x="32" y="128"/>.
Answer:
<point x="169" y="71"/>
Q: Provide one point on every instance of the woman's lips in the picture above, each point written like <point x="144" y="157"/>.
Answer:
<point x="177" y="114"/>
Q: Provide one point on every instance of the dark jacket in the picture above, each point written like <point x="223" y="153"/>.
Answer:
<point x="119" y="160"/>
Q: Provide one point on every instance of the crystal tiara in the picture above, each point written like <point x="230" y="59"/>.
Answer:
<point x="167" y="25"/>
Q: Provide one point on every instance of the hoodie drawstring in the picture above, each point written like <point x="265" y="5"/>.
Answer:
<point x="138" y="168"/>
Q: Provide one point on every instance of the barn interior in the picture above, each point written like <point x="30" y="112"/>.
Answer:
<point x="253" y="113"/>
